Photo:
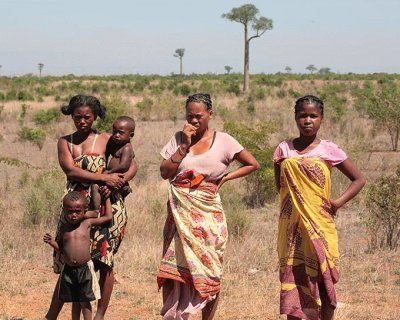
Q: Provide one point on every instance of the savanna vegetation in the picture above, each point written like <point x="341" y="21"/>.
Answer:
<point x="361" y="115"/>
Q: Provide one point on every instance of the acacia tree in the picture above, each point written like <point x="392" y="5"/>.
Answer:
<point x="311" y="68"/>
<point x="40" y="66"/>
<point x="228" y="69"/>
<point x="288" y="69"/>
<point x="381" y="103"/>
<point x="179" y="53"/>
<point x="248" y="16"/>
<point x="324" y="71"/>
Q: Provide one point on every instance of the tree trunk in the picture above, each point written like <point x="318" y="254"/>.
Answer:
<point x="246" y="75"/>
<point x="181" y="66"/>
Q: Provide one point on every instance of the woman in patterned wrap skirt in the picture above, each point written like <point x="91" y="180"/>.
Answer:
<point x="82" y="157"/>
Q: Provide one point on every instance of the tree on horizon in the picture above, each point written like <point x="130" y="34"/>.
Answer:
<point x="288" y="69"/>
<point x="311" y="68"/>
<point x="40" y="66"/>
<point x="228" y="69"/>
<point x="248" y="15"/>
<point x="179" y="53"/>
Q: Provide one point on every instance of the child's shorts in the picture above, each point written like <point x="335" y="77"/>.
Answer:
<point x="79" y="284"/>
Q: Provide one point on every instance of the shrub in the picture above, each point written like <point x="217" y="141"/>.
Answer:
<point x="382" y="212"/>
<point x="260" y="186"/>
<point x="236" y="216"/>
<point x="281" y="93"/>
<point x="42" y="203"/>
<point x="46" y="116"/>
<point x="382" y="105"/>
<point x="116" y="107"/>
<point x="145" y="107"/>
<point x="35" y="135"/>
<point x="233" y="87"/>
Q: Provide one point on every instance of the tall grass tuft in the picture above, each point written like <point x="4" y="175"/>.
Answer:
<point x="42" y="202"/>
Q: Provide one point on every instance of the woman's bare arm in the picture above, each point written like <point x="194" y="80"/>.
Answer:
<point x="77" y="174"/>
<point x="249" y="164"/>
<point x="277" y="174"/>
<point x="357" y="183"/>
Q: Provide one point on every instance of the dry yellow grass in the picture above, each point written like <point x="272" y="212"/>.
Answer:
<point x="370" y="281"/>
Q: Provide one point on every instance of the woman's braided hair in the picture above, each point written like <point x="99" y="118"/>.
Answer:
<point x="82" y="100"/>
<point x="200" y="97"/>
<point x="309" y="99"/>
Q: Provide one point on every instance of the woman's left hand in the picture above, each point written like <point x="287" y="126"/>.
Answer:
<point x="335" y="206"/>
<point x="220" y="183"/>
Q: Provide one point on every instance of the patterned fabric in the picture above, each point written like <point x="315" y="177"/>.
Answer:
<point x="195" y="235"/>
<point x="107" y="239"/>
<point x="307" y="238"/>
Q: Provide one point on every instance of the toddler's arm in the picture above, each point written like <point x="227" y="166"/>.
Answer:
<point x="103" y="219"/>
<point x="47" y="238"/>
<point x="91" y="214"/>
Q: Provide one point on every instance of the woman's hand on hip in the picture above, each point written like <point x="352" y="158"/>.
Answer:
<point x="220" y="183"/>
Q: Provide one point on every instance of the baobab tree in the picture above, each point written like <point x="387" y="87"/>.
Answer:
<point x="288" y="69"/>
<point x="228" y="69"/>
<point x="248" y="16"/>
<point x="40" y="66"/>
<point x="179" y="54"/>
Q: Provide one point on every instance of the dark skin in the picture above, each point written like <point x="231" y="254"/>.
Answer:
<point x="197" y="138"/>
<point x="75" y="235"/>
<point x="119" y="147"/>
<point x="121" y="152"/>
<point x="75" y="242"/>
<point x="309" y="120"/>
<point x="83" y="118"/>
<point x="83" y="139"/>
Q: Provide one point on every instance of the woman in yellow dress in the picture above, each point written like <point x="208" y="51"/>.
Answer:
<point x="307" y="238"/>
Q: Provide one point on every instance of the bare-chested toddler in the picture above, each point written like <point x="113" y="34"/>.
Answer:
<point x="78" y="281"/>
<point x="119" y="155"/>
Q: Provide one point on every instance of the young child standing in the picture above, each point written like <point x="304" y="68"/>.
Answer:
<point x="78" y="282"/>
<point x="119" y="155"/>
<point x="307" y="237"/>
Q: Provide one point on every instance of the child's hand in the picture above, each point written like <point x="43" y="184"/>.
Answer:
<point x="105" y="192"/>
<point x="47" y="238"/>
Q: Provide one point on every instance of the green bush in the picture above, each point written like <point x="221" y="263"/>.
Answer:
<point x="145" y="107"/>
<point x="116" y="107"/>
<point x="382" y="216"/>
<point x="260" y="186"/>
<point x="43" y="117"/>
<point x="236" y="216"/>
<point x="42" y="202"/>
<point x="35" y="135"/>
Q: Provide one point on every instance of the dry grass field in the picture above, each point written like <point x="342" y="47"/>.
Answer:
<point x="369" y="288"/>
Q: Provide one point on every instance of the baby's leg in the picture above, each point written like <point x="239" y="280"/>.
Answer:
<point x="96" y="197"/>
<point x="86" y="310"/>
<point x="125" y="190"/>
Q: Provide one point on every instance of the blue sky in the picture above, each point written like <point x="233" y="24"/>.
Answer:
<point x="140" y="36"/>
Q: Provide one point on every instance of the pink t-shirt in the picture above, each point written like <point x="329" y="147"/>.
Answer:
<point x="212" y="163"/>
<point x="326" y="150"/>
